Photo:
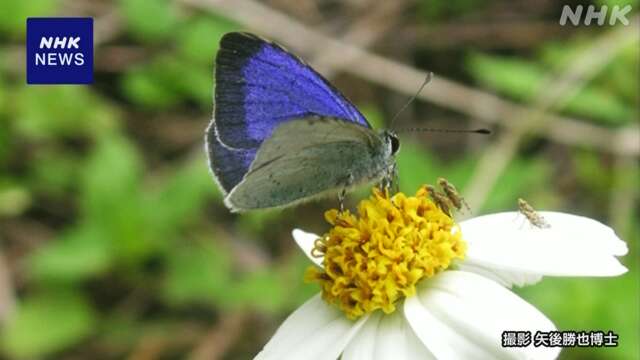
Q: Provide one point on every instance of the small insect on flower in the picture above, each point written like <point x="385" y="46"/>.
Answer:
<point x="441" y="200"/>
<point x="452" y="194"/>
<point x="376" y="257"/>
<point x="399" y="279"/>
<point x="532" y="215"/>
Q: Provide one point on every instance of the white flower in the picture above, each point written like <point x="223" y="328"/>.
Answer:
<point x="462" y="311"/>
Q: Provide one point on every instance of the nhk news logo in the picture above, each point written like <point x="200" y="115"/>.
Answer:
<point x="59" y="50"/>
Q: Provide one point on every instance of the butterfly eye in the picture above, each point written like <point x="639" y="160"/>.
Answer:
<point x="395" y="142"/>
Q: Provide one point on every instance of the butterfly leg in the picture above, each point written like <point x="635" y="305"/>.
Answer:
<point x="390" y="180"/>
<point x="395" y="181"/>
<point x="343" y="193"/>
<point x="341" y="196"/>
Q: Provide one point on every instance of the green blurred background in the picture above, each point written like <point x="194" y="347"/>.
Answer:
<point x="114" y="242"/>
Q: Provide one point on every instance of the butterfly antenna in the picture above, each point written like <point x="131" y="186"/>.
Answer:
<point x="427" y="79"/>
<point x="482" y="131"/>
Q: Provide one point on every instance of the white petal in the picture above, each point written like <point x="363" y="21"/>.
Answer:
<point x="461" y="315"/>
<point x="315" y="331"/>
<point x="572" y="246"/>
<point x="504" y="277"/>
<point x="386" y="337"/>
<point x="305" y="241"/>
<point x="595" y="233"/>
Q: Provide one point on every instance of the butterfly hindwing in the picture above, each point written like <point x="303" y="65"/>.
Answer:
<point x="307" y="158"/>
<point x="228" y="165"/>
<point x="260" y="85"/>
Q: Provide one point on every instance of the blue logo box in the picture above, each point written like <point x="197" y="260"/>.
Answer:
<point x="59" y="50"/>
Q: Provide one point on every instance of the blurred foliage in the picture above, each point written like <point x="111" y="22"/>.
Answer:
<point x="609" y="99"/>
<point x="67" y="311"/>
<point x="116" y="234"/>
<point x="14" y="14"/>
<point x="149" y="21"/>
<point x="440" y="11"/>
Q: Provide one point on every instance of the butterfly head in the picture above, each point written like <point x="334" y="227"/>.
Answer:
<point x="392" y="141"/>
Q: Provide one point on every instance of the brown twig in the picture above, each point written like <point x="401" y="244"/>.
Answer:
<point x="406" y="79"/>
<point x="117" y="58"/>
<point x="156" y="345"/>
<point x="107" y="27"/>
<point x="218" y="339"/>
<point x="486" y="34"/>
<point x="364" y="32"/>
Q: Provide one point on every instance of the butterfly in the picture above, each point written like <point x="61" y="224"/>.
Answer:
<point x="281" y="134"/>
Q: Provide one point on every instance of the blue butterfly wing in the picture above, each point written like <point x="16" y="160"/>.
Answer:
<point x="228" y="165"/>
<point x="259" y="85"/>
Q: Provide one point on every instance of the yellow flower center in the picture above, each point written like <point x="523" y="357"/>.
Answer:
<point x="375" y="258"/>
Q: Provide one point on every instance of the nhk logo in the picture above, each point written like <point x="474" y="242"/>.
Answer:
<point x="617" y="14"/>
<point x="58" y="58"/>
<point x="59" y="50"/>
